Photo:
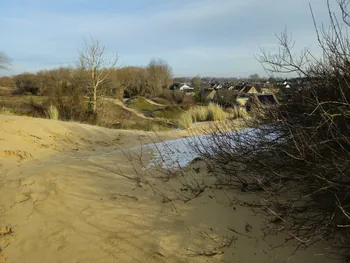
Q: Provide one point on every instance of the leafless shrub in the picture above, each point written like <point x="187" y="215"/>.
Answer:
<point x="66" y="92"/>
<point x="297" y="154"/>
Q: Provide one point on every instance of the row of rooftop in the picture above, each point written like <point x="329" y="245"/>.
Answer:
<point x="240" y="93"/>
<point x="234" y="85"/>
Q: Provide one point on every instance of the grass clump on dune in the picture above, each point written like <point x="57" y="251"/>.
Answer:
<point x="216" y="113"/>
<point x="186" y="120"/>
<point x="199" y="113"/>
<point x="237" y="112"/>
<point x="212" y="112"/>
<point x="52" y="113"/>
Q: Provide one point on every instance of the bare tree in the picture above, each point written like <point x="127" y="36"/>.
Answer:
<point x="254" y="77"/>
<point x="96" y="67"/>
<point x="4" y="61"/>
<point x="160" y="75"/>
<point x="196" y="82"/>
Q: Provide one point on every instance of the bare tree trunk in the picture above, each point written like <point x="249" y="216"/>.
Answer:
<point x="95" y="100"/>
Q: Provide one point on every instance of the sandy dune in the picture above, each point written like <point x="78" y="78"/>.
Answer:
<point x="65" y="200"/>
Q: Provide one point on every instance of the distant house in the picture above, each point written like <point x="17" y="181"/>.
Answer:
<point x="266" y="99"/>
<point x="242" y="99"/>
<point x="213" y="85"/>
<point x="226" y="97"/>
<point x="219" y="86"/>
<point x="185" y="87"/>
<point x="174" y="86"/>
<point x="261" y="100"/>
<point x="237" y="87"/>
<point x="207" y="94"/>
<point x="211" y="95"/>
<point x="266" y="90"/>
<point x="249" y="89"/>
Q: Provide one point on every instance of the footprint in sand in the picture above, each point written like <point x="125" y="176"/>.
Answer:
<point x="22" y="155"/>
<point x="4" y="242"/>
<point x="22" y="198"/>
<point x="5" y="230"/>
<point x="125" y="197"/>
<point x="27" y="182"/>
<point x="40" y="196"/>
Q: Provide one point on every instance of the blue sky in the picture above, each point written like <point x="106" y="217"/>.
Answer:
<point x="205" y="37"/>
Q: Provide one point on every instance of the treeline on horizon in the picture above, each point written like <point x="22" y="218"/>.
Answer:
<point x="131" y="80"/>
<point x="151" y="81"/>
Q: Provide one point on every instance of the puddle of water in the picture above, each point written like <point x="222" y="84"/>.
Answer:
<point x="180" y="152"/>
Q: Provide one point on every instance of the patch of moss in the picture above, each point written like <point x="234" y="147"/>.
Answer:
<point x="161" y="101"/>
<point x="115" y="116"/>
<point x="141" y="104"/>
<point x="169" y="112"/>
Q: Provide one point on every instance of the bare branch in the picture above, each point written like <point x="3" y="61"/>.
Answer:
<point x="96" y="68"/>
<point x="4" y="61"/>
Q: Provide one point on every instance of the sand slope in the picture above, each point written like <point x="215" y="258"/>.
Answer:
<point x="67" y="201"/>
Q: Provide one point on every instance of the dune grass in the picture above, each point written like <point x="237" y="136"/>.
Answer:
<point x="216" y="113"/>
<point x="6" y="111"/>
<point x="199" y="113"/>
<point x="237" y="113"/>
<point x="186" y="120"/>
<point x="52" y="113"/>
<point x="212" y="112"/>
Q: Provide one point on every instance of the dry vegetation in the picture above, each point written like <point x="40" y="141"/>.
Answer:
<point x="83" y="93"/>
<point x="92" y="93"/>
<point x="70" y="93"/>
<point x="52" y="113"/>
<point x="298" y="157"/>
<point x="211" y="112"/>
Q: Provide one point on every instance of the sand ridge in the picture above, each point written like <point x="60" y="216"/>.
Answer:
<point x="63" y="207"/>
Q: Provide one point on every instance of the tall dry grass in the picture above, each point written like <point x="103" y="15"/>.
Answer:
<point x="212" y="112"/>
<point x="199" y="113"/>
<point x="216" y="113"/>
<point x="238" y="113"/>
<point x="52" y="113"/>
